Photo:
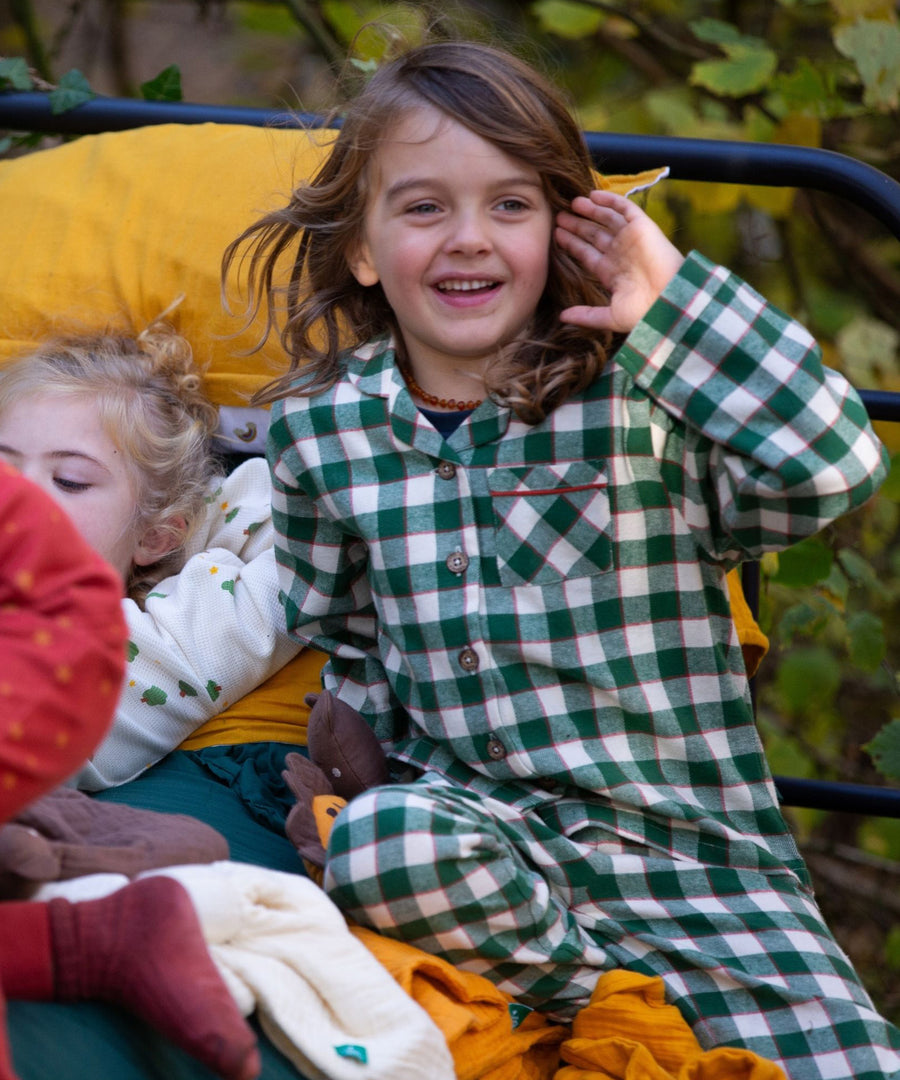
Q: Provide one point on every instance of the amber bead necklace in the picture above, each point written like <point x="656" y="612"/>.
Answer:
<point x="433" y="399"/>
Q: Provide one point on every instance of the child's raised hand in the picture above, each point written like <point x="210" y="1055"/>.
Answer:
<point x="624" y="249"/>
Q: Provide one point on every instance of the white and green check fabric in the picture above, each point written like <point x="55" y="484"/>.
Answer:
<point x="536" y="619"/>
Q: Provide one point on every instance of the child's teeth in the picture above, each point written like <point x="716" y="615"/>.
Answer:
<point x="465" y="286"/>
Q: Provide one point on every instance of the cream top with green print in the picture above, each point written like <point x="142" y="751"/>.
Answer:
<point x="208" y="636"/>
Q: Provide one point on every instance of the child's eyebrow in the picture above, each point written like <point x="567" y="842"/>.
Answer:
<point x="61" y="455"/>
<point x="57" y="455"/>
<point x="412" y="183"/>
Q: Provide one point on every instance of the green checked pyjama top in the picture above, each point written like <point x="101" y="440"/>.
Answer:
<point x="535" y="620"/>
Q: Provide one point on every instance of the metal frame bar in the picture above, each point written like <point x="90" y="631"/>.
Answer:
<point x="766" y="164"/>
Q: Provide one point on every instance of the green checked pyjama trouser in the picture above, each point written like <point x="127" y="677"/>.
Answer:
<point x="542" y="903"/>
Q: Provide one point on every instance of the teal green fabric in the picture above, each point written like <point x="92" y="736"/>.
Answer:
<point x="253" y="771"/>
<point x="226" y="791"/>
<point x="89" y="1041"/>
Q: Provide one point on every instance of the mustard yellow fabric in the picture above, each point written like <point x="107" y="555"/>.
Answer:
<point x="107" y="231"/>
<point x="472" y="1013"/>
<point x="754" y="643"/>
<point x="628" y="1032"/>
<point x="274" y="712"/>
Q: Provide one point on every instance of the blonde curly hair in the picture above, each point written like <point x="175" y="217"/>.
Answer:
<point x="152" y="405"/>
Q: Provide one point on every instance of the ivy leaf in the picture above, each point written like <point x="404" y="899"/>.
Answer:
<point x="874" y="46"/>
<point x="837" y="587"/>
<point x="73" y="90"/>
<point x="166" y="86"/>
<point x="866" y="345"/>
<point x="14" y="74"/>
<point x="567" y="19"/>
<point x="867" y="642"/>
<point x="806" y="89"/>
<point x="718" y="32"/>
<point x="797" y="619"/>
<point x="747" y="70"/>
<point x="806" y="563"/>
<point x="884" y="749"/>
<point x="808" y="680"/>
<point x="809" y="617"/>
<point x="859" y="570"/>
<point x="750" y="64"/>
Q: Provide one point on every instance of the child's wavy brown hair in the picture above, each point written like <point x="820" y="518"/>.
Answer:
<point x="503" y="100"/>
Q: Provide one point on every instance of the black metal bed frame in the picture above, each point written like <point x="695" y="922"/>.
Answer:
<point x="764" y="164"/>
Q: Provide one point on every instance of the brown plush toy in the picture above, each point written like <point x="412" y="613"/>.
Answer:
<point x="67" y="834"/>
<point x="345" y="758"/>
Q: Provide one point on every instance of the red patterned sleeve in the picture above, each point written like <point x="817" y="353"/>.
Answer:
<point x="62" y="644"/>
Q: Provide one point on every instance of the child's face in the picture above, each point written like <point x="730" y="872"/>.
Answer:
<point x="458" y="234"/>
<point x="59" y="443"/>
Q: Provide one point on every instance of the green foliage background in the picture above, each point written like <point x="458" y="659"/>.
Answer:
<point x="822" y="73"/>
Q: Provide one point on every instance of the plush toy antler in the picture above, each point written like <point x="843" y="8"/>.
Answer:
<point x="345" y="758"/>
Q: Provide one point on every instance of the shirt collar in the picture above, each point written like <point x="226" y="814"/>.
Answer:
<point x="373" y="370"/>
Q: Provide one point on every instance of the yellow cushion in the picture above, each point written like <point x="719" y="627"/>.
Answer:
<point x="107" y="231"/>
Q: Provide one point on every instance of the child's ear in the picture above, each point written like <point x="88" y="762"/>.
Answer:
<point x="361" y="265"/>
<point x="159" y="540"/>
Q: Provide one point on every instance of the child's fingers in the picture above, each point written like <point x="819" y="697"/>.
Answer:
<point x="591" y="318"/>
<point x="588" y="231"/>
<point x="582" y="250"/>
<point x="605" y="208"/>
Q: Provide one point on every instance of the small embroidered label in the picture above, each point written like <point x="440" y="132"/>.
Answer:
<point x="518" y="1012"/>
<point x="353" y="1052"/>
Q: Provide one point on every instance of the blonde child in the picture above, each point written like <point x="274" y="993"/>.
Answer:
<point x="118" y="429"/>
<point x="510" y="524"/>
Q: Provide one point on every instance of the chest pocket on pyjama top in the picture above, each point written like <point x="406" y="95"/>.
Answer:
<point x="553" y="522"/>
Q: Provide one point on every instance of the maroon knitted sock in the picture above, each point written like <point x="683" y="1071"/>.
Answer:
<point x="142" y="947"/>
<point x="26" y="959"/>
